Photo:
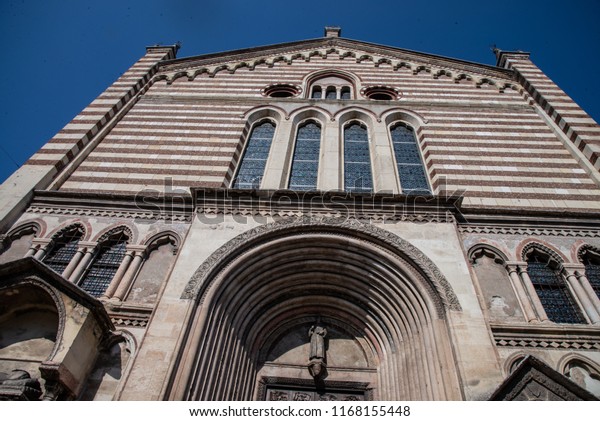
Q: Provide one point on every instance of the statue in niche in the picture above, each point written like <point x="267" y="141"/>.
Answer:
<point x="317" y="358"/>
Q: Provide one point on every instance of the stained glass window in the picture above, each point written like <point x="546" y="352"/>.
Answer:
<point x="357" y="161"/>
<point x="105" y="265"/>
<point x="552" y="290"/>
<point x="253" y="162"/>
<point x="408" y="159"/>
<point x="63" y="250"/>
<point x="305" y="163"/>
<point x="592" y="271"/>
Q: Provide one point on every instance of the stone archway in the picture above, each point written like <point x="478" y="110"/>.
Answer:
<point x="374" y="291"/>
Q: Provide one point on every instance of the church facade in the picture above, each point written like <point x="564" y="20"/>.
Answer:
<point x="326" y="219"/>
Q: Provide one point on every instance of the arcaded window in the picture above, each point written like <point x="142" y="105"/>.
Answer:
<point x="305" y="163"/>
<point x="591" y="261"/>
<point x="558" y="303"/>
<point x="408" y="159"/>
<point x="357" y="161"/>
<point x="346" y="93"/>
<point x="331" y="93"/>
<point x="254" y="160"/>
<point x="103" y="268"/>
<point x="316" y="92"/>
<point x="64" y="249"/>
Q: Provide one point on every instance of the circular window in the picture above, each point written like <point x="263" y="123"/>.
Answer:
<point x="381" y="93"/>
<point x="281" y="91"/>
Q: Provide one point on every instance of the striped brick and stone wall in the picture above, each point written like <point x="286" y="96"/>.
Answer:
<point x="482" y="133"/>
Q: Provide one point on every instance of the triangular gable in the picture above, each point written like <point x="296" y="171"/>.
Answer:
<point x="347" y="49"/>
<point x="533" y="380"/>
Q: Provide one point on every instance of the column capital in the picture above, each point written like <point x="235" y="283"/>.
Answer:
<point x="572" y="268"/>
<point x="41" y="241"/>
<point x="87" y="246"/>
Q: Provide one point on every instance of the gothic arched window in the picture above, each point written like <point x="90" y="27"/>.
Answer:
<point x="254" y="160"/>
<point x="305" y="163"/>
<point x="108" y="258"/>
<point x="408" y="159"/>
<point x="591" y="262"/>
<point x="64" y="249"/>
<point x="357" y="161"/>
<point x="552" y="290"/>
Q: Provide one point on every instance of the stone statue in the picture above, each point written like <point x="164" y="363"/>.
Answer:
<point x="316" y="358"/>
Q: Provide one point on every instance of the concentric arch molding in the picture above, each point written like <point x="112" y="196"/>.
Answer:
<point x="221" y="258"/>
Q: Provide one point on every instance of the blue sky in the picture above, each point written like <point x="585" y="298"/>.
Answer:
<point x="59" y="55"/>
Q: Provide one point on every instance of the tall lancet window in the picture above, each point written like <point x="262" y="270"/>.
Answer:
<point x="305" y="164"/>
<point x="109" y="255"/>
<point x="552" y="290"/>
<point x="408" y="159"/>
<point x="252" y="166"/>
<point x="65" y="247"/>
<point x="357" y="161"/>
<point x="591" y="260"/>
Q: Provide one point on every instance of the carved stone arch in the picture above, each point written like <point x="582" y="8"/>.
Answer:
<point x="163" y="237"/>
<point x="485" y="81"/>
<point x="587" y="250"/>
<point x="310" y="112"/>
<point x="365" y="57"/>
<point x="487" y="249"/>
<point x="295" y="270"/>
<point x="529" y="246"/>
<point x="37" y="226"/>
<point x="197" y="286"/>
<point x="128" y="230"/>
<point x="513" y="361"/>
<point x="392" y="115"/>
<point x="364" y="115"/>
<point x="581" y="370"/>
<point x="442" y="72"/>
<point x="353" y="80"/>
<point x="403" y="64"/>
<point x="265" y="111"/>
<point x="421" y="68"/>
<point x="173" y="77"/>
<point x="80" y="226"/>
<point x="53" y="295"/>
<point x="382" y="61"/>
<point x="463" y="76"/>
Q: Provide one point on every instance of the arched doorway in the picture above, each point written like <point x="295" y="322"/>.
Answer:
<point x="382" y="302"/>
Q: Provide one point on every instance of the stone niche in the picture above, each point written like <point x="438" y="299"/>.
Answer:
<point x="50" y="332"/>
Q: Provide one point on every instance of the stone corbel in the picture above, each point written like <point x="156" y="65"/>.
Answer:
<point x="60" y="384"/>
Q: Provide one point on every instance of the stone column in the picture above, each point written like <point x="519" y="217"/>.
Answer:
<point x="119" y="274"/>
<point x="515" y="279"/>
<point x="74" y="262"/>
<point x="90" y="249"/>
<point x="43" y="245"/>
<point x="587" y="287"/>
<point x="129" y="277"/>
<point x="330" y="159"/>
<point x="579" y="293"/>
<point x="277" y="169"/>
<point x="535" y="300"/>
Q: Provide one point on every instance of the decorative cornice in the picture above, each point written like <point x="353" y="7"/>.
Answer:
<point x="109" y="213"/>
<point x="548" y="336"/>
<point x="529" y="231"/>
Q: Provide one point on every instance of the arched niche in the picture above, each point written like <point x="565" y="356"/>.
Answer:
<point x="384" y="305"/>
<point x="498" y="296"/>
<point x="29" y="328"/>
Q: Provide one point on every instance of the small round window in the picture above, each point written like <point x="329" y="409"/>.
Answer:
<point x="281" y="91"/>
<point x="381" y="93"/>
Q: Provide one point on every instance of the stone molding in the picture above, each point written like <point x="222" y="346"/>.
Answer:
<point x="550" y="336"/>
<point x="109" y="213"/>
<point x="217" y="261"/>
<point x="529" y="231"/>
